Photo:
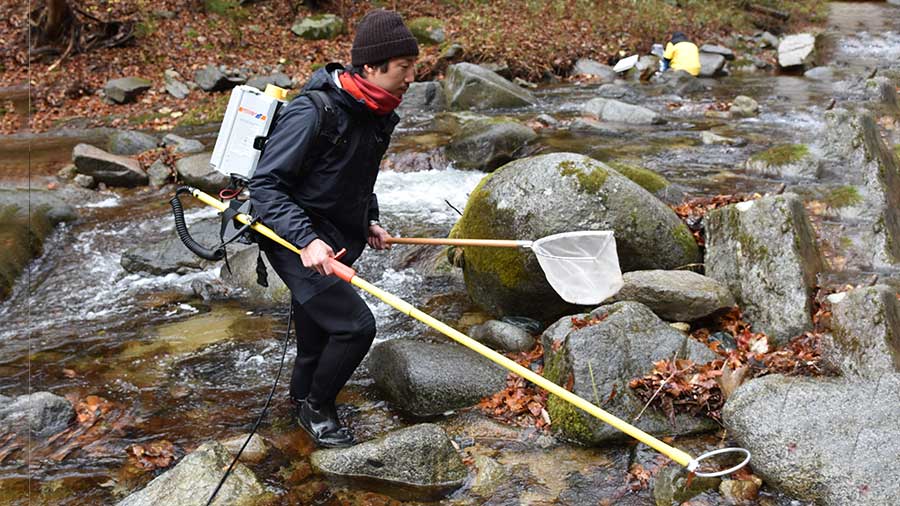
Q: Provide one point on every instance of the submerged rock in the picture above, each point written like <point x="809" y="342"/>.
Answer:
<point x="39" y="415"/>
<point x="417" y="462"/>
<point x="678" y="296"/>
<point x="561" y="192"/>
<point x="865" y="335"/>
<point x="428" y="379"/>
<point x="190" y="482"/>
<point x="486" y="145"/>
<point x="469" y="86"/>
<point x="829" y="441"/>
<point x="765" y="252"/>
<point x="601" y="359"/>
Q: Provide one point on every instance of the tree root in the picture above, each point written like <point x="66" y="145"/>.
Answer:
<point x="59" y="29"/>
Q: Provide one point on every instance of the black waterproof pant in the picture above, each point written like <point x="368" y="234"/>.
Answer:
<point x="335" y="329"/>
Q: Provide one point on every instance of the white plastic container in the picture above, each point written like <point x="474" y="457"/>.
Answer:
<point x="249" y="115"/>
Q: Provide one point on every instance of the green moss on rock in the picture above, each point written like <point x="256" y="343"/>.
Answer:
<point x="20" y="241"/>
<point x="423" y="29"/>
<point x="566" y="419"/>
<point x="782" y="155"/>
<point x="590" y="176"/>
<point x="479" y="222"/>
<point x="645" y="178"/>
<point x="845" y="196"/>
<point x="685" y="239"/>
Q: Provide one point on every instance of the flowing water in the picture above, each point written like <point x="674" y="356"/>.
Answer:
<point x="179" y="368"/>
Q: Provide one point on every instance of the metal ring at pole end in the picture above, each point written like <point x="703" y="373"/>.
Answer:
<point x="694" y="464"/>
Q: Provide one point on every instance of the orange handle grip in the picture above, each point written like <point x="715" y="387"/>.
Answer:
<point x="342" y="271"/>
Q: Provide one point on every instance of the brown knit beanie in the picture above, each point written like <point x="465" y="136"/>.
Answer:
<point x="381" y="35"/>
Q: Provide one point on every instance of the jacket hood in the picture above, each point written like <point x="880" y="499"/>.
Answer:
<point x="323" y="79"/>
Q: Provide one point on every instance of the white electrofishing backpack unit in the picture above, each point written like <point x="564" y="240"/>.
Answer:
<point x="248" y="121"/>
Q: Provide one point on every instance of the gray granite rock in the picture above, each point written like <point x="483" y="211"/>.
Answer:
<point x="824" y="440"/>
<point x="602" y="358"/>
<point x="678" y="296"/>
<point x="113" y="170"/>
<point x="765" y="252"/>
<point x="201" y="470"/>
<point x="865" y="333"/>
<point x="427" y="379"/>
<point x="416" y="462"/>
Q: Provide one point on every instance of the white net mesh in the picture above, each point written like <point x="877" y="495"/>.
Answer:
<point x="582" y="267"/>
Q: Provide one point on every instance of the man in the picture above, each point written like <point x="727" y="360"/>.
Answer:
<point x="313" y="186"/>
<point x="683" y="54"/>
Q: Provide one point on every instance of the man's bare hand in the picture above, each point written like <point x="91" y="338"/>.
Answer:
<point x="317" y="255"/>
<point x="378" y="237"/>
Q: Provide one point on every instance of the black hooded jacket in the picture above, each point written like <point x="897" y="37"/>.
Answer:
<point x="306" y="188"/>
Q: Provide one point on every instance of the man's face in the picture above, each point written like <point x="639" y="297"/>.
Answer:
<point x="400" y="72"/>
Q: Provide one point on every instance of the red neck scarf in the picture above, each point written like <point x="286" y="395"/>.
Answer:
<point x="376" y="98"/>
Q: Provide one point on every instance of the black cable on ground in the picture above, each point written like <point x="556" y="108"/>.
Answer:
<point x="287" y="338"/>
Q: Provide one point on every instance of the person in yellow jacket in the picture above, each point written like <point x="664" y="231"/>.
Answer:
<point x="683" y="54"/>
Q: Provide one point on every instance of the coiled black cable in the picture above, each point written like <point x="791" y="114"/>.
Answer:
<point x="213" y="254"/>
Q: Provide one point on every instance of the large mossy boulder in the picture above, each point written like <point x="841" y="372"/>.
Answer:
<point x="319" y="26"/>
<point x="417" y="462"/>
<point x="549" y="194"/>
<point x="427" y="379"/>
<point x="852" y="144"/>
<point x="28" y="217"/>
<point x="199" y="471"/>
<point x="765" y="252"/>
<point x="829" y="441"/>
<point x="785" y="161"/>
<point x="487" y="144"/>
<point x="865" y="332"/>
<point x="600" y="359"/>
<point x="470" y="86"/>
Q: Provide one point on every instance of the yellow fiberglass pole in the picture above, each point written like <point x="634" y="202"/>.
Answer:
<point x="348" y="274"/>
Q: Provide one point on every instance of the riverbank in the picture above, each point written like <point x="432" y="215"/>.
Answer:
<point x="536" y="41"/>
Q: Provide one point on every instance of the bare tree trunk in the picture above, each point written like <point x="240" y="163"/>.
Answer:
<point x="58" y="13"/>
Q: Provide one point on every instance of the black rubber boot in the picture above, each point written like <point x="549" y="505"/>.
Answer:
<point x="322" y="424"/>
